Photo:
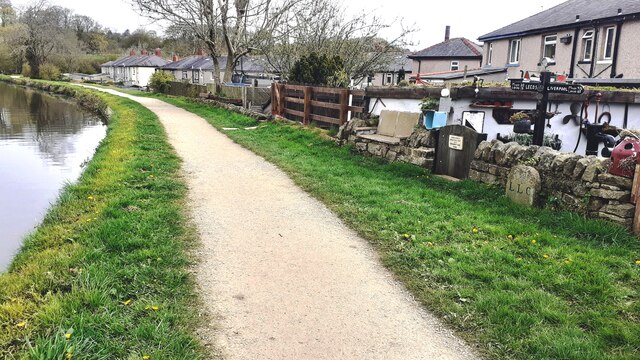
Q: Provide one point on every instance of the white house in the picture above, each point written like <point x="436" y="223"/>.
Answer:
<point x="134" y="70"/>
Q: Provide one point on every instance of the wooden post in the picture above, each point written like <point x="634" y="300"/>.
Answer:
<point x="282" y="104"/>
<point x="274" y="99"/>
<point x="635" y="192"/>
<point x="308" y="90"/>
<point x="344" y="105"/>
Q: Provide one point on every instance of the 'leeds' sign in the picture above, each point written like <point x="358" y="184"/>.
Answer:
<point x="554" y="88"/>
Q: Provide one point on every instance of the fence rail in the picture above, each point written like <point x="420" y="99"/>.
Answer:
<point x="308" y="103"/>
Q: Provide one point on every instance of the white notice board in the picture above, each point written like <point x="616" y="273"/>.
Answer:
<point x="474" y="120"/>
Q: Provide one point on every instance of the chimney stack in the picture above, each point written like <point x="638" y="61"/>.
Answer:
<point x="158" y="52"/>
<point x="200" y="52"/>
<point x="447" y="33"/>
<point x="132" y="52"/>
<point x="175" y="58"/>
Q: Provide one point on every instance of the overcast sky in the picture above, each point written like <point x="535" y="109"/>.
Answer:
<point x="467" y="18"/>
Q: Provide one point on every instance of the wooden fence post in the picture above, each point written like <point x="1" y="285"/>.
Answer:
<point x="344" y="106"/>
<point x="283" y="105"/>
<point x="274" y="99"/>
<point x="635" y="196"/>
<point x="308" y="90"/>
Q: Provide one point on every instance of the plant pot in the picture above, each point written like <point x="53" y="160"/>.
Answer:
<point x="522" y="126"/>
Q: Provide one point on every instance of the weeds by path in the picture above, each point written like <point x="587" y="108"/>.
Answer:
<point x="104" y="276"/>
<point x="522" y="283"/>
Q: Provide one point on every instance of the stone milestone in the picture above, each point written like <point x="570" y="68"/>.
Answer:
<point x="523" y="185"/>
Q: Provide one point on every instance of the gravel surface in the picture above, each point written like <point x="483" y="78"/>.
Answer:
<point x="281" y="275"/>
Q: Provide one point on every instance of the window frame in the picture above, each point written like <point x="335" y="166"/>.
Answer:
<point x="389" y="78"/>
<point x="510" y="59"/>
<point x="547" y="42"/>
<point x="610" y="34"/>
<point x="196" y="76"/>
<point x="489" y="53"/>
<point x="185" y="75"/>
<point x="457" y="65"/>
<point x="587" y="37"/>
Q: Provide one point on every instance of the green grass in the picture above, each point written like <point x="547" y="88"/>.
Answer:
<point x="525" y="284"/>
<point x="108" y="265"/>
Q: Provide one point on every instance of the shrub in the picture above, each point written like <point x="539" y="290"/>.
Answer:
<point x="26" y="70"/>
<point x="161" y="81"/>
<point x="403" y="83"/>
<point x="49" y="72"/>
<point x="429" y="104"/>
<point x="314" y="69"/>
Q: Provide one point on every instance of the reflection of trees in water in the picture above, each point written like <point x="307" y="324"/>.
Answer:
<point x="48" y="121"/>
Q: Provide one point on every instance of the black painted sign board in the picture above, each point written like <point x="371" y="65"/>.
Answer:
<point x="553" y="88"/>
<point x="456" y="146"/>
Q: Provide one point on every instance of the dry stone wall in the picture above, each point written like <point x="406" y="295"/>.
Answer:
<point x="568" y="181"/>
<point x="418" y="149"/>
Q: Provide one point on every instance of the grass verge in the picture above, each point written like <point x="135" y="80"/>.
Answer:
<point x="104" y="276"/>
<point x="521" y="283"/>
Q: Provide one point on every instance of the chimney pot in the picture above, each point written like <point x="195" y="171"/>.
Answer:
<point x="132" y="52"/>
<point x="619" y="11"/>
<point x="175" y="57"/>
<point x="577" y="17"/>
<point x="145" y="52"/>
<point x="200" y="52"/>
<point x="447" y="33"/>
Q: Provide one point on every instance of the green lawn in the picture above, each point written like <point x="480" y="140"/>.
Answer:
<point x="521" y="283"/>
<point x="105" y="275"/>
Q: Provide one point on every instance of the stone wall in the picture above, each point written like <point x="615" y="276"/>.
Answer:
<point x="568" y="181"/>
<point x="418" y="149"/>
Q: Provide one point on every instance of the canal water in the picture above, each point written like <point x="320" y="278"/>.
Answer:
<point x="44" y="143"/>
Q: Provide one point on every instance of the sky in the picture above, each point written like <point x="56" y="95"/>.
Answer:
<point x="467" y="18"/>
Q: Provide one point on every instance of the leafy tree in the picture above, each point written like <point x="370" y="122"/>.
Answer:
<point x="49" y="72"/>
<point x="161" y="81"/>
<point x="314" y="69"/>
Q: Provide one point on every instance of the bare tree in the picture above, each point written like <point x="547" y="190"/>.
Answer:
<point x="321" y="26"/>
<point x="233" y="28"/>
<point x="45" y="31"/>
<point x="7" y="13"/>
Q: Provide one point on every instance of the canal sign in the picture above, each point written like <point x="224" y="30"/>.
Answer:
<point x="553" y="88"/>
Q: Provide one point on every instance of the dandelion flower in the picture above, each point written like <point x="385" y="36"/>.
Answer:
<point x="429" y="243"/>
<point x="22" y="324"/>
<point x="519" y="258"/>
<point x="534" y="242"/>
<point x="475" y="230"/>
<point x="155" y="308"/>
<point x="637" y="262"/>
<point x="545" y="256"/>
<point x="69" y="355"/>
<point x="90" y="197"/>
<point x="146" y="357"/>
<point x="67" y="336"/>
<point x="127" y="302"/>
<point x="510" y="237"/>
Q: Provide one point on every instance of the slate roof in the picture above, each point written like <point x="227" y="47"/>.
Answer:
<point x="400" y="62"/>
<point x="564" y="15"/>
<point x="205" y="63"/>
<point x="138" y="61"/>
<point x="452" y="48"/>
<point x="450" y="75"/>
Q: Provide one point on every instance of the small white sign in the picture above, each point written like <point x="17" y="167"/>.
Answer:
<point x="456" y="142"/>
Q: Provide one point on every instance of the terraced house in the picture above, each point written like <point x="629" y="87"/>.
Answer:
<point x="583" y="39"/>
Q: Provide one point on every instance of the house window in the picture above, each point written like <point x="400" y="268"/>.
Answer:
<point x="185" y="75"/>
<point x="610" y="34"/>
<point x="389" y="78"/>
<point x="550" y="47"/>
<point x="587" y="45"/>
<point x="455" y="65"/>
<point x="196" y="77"/>
<point x="490" y="54"/>
<point x="514" y="51"/>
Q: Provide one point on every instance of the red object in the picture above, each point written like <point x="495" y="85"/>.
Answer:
<point x="622" y="165"/>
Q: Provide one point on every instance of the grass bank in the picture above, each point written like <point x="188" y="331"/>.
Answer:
<point x="104" y="276"/>
<point x="521" y="283"/>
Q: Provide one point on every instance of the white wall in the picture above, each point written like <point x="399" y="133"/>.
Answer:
<point x="567" y="133"/>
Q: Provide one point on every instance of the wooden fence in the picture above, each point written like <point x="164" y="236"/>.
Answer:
<point x="318" y="104"/>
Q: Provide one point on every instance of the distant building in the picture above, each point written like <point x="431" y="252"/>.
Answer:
<point x="198" y="69"/>
<point x="584" y="39"/>
<point x="134" y="70"/>
<point x="399" y="69"/>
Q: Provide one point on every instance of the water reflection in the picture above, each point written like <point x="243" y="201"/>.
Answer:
<point x="44" y="140"/>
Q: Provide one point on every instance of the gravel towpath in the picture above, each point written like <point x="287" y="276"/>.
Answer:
<point x="281" y="275"/>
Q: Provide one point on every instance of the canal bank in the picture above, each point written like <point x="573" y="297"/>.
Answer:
<point x="105" y="274"/>
<point x="45" y="141"/>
